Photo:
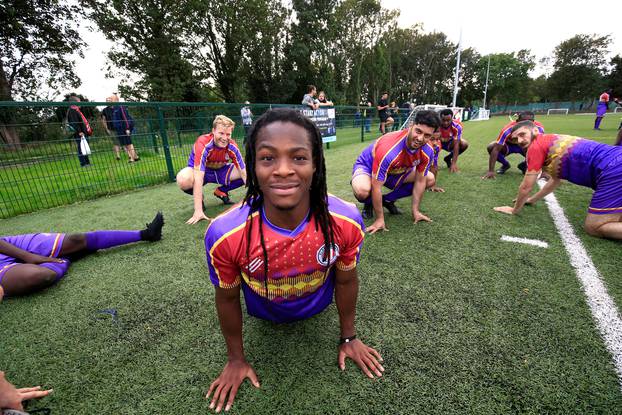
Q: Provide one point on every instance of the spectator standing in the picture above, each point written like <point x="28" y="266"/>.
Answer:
<point x="124" y="126"/>
<point x="247" y="119"/>
<point x="394" y="114"/>
<point x="108" y="123"/>
<point x="323" y="101"/>
<point x="80" y="127"/>
<point x="309" y="98"/>
<point x="383" y="105"/>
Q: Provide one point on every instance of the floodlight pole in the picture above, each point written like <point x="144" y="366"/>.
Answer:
<point x="453" y="102"/>
<point x="486" y="87"/>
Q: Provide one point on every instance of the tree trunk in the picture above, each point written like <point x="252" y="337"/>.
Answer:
<point x="8" y="133"/>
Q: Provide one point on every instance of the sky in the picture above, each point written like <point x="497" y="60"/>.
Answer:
<point x="486" y="26"/>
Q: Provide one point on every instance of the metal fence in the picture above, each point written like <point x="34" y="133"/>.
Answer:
<point x="44" y="171"/>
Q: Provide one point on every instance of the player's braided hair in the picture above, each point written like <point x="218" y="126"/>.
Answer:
<point x="319" y="194"/>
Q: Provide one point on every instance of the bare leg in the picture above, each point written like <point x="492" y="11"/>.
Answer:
<point x="24" y="279"/>
<point x="185" y="178"/>
<point x="72" y="243"/>
<point x="604" y="226"/>
<point x="361" y="187"/>
<point x="117" y="151"/>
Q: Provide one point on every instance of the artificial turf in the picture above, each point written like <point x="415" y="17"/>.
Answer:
<point x="465" y="323"/>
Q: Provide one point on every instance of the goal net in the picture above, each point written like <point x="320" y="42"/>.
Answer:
<point x="458" y="111"/>
<point x="481" y="115"/>
<point x="617" y="109"/>
<point x="557" y="111"/>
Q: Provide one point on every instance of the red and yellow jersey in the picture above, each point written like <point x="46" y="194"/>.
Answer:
<point x="206" y="154"/>
<point x="506" y="131"/>
<point x="391" y="156"/>
<point x="453" y="132"/>
<point x="300" y="280"/>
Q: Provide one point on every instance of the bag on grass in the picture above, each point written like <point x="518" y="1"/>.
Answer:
<point x="84" y="147"/>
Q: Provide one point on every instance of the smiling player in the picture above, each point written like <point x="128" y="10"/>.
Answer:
<point x="290" y="247"/>
<point x="400" y="161"/>
<point x="451" y="139"/>
<point x="214" y="158"/>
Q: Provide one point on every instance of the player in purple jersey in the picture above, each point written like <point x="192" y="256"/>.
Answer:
<point x="290" y="246"/>
<point x="580" y="161"/>
<point x="31" y="262"/>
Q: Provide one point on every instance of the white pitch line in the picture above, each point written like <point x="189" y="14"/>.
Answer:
<point x="526" y="241"/>
<point x="604" y="310"/>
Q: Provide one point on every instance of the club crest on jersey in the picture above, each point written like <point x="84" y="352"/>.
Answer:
<point x="334" y="254"/>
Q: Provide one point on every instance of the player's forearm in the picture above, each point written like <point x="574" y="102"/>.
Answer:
<point x="456" y="151"/>
<point x="493" y="158"/>
<point x="376" y="200"/>
<point x="418" y="190"/>
<point x="549" y="187"/>
<point x="521" y="198"/>
<point x="243" y="175"/>
<point x="230" y="316"/>
<point x="13" y="251"/>
<point x="346" y="293"/>
<point x="197" y="191"/>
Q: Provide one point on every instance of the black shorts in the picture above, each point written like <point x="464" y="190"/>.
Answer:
<point x="124" y="140"/>
<point x="383" y="117"/>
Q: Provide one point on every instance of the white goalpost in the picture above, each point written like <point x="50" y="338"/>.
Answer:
<point x="557" y="111"/>
<point x="481" y="115"/>
<point x="617" y="109"/>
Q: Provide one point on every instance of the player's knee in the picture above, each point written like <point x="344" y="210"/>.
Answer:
<point x="592" y="228"/>
<point x="430" y="180"/>
<point x="464" y="144"/>
<point x="77" y="241"/>
<point x="490" y="147"/>
<point x="184" y="180"/>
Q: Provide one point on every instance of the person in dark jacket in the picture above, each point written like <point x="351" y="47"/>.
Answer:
<point x="124" y="126"/>
<point x="108" y="124"/>
<point x="80" y="127"/>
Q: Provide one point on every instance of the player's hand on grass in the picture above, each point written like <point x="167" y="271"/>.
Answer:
<point x="12" y="398"/>
<point x="228" y="383"/>
<point x="367" y="358"/>
<point x="418" y="217"/>
<point x="378" y="225"/>
<point x="505" y="209"/>
<point x="489" y="175"/>
<point x="454" y="168"/>
<point x="197" y="217"/>
<point x="40" y="259"/>
<point x="436" y="189"/>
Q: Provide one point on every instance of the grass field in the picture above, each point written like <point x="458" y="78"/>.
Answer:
<point x="465" y="323"/>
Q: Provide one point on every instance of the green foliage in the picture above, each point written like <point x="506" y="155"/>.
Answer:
<point x="148" y="39"/>
<point x="579" y="65"/>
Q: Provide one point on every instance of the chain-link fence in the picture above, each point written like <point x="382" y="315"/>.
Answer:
<point x="40" y="166"/>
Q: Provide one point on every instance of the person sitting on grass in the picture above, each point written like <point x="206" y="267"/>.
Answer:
<point x="451" y="139"/>
<point x="290" y="247"/>
<point x="580" y="161"/>
<point x="32" y="262"/>
<point x="214" y="158"/>
<point x="435" y="143"/>
<point x="400" y="161"/>
<point x="503" y="147"/>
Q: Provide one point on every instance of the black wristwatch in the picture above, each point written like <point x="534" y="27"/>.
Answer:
<point x="346" y="339"/>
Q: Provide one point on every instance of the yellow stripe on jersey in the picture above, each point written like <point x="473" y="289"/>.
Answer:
<point x="54" y="253"/>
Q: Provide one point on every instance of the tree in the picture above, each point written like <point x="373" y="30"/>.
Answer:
<point x="148" y="45"/>
<point x="579" y="66"/>
<point x="509" y="79"/>
<point x="38" y="38"/>
<point x="614" y="78"/>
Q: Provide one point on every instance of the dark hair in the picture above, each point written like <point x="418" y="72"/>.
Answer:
<point x="318" y="209"/>
<point x="384" y="93"/>
<point x="310" y="88"/>
<point x="526" y="116"/>
<point x="429" y="118"/>
<point x="527" y="123"/>
<point x="446" y="111"/>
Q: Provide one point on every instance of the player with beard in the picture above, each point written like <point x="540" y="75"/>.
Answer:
<point x="289" y="246"/>
<point x="400" y="161"/>
<point x="580" y="161"/>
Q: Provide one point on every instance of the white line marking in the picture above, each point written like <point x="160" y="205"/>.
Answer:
<point x="533" y="242"/>
<point x="603" y="308"/>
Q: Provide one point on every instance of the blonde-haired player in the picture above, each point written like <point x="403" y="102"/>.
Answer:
<point x="215" y="158"/>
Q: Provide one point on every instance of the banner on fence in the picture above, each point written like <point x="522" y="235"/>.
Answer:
<point x="324" y="119"/>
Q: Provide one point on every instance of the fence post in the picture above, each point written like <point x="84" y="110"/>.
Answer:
<point x="363" y="121"/>
<point x="167" y="150"/>
<point x="154" y="139"/>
